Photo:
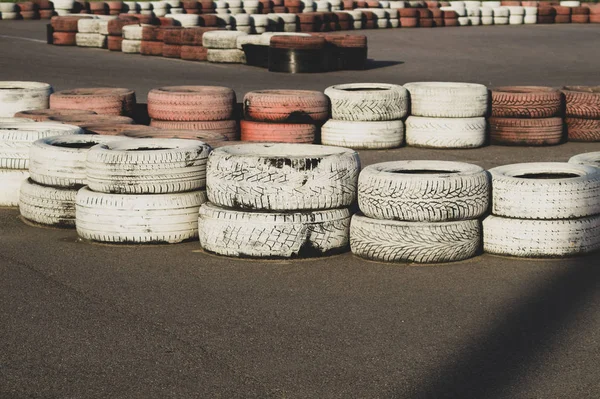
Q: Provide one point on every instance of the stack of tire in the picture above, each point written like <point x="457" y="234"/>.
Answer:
<point x="595" y="14"/>
<point x="543" y="209"/>
<point x="185" y="20"/>
<point x="409" y="17"/>
<point x="487" y="15"/>
<point x="102" y="100"/>
<point x="297" y="54"/>
<point x="366" y="116"/>
<point x="501" y="15"/>
<point x="56" y="173"/>
<point x="546" y="15"/>
<point x="172" y="42"/>
<point x="142" y="191"/>
<point x="447" y="115"/>
<point x="191" y="44"/>
<point x="580" y="15"/>
<point x="63" y="7"/>
<point x="64" y="30"/>
<point x="132" y="39"/>
<point x="153" y="39"/>
<point x="419" y="211"/>
<point x="526" y="115"/>
<point x="450" y="17"/>
<point x="283" y="116"/>
<point x="28" y="10"/>
<point x="531" y="15"/>
<point x="582" y="112"/>
<point x="516" y="15"/>
<point x="563" y="15"/>
<point x="160" y="8"/>
<point x="97" y="7"/>
<point x="115" y="7"/>
<point x="200" y="108"/>
<point x="115" y="31"/>
<point x="92" y="33"/>
<point x="278" y="200"/>
<point x="15" y="142"/>
<point x="8" y="11"/>
<point x="221" y="47"/>
<point x="346" y="52"/>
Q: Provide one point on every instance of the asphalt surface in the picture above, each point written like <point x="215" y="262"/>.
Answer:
<point x="81" y="320"/>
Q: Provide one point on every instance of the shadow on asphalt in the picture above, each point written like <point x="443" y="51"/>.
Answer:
<point x="497" y="359"/>
<point x="377" y="64"/>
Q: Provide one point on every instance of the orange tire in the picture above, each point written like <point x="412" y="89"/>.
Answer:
<point x="227" y="128"/>
<point x="104" y="101"/>
<point x="42" y="115"/>
<point x="191" y="103"/>
<point x="277" y="132"/>
<point x="295" y="106"/>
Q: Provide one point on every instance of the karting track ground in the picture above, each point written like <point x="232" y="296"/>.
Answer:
<point x="82" y="320"/>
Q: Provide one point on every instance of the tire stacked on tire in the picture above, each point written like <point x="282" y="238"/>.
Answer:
<point x="543" y="210"/>
<point x="28" y="10"/>
<point x="172" y="42"/>
<point x="132" y="39"/>
<point x="15" y="142"/>
<point x="191" y="44"/>
<point x="9" y="11"/>
<point x="64" y="30"/>
<point x="201" y="108"/>
<point x="102" y="100"/>
<point x="115" y="31"/>
<point x="526" y="115"/>
<point x="56" y="173"/>
<point x="92" y="33"/>
<point x="278" y="200"/>
<point x="283" y="116"/>
<point x="221" y="47"/>
<point x="142" y="191"/>
<point x="366" y="116"/>
<point x="17" y="96"/>
<point x="447" y="115"/>
<point x="563" y="15"/>
<point x="296" y="54"/>
<point x="582" y="112"/>
<point x="419" y="211"/>
<point x="546" y="15"/>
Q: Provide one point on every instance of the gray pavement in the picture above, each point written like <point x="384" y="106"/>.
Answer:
<point x="81" y="320"/>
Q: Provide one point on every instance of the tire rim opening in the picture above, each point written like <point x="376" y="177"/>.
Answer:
<point x="423" y="171"/>
<point x="366" y="89"/>
<point x="149" y="149"/>
<point x="547" y="175"/>
<point x="87" y="144"/>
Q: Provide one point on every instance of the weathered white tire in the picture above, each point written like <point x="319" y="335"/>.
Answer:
<point x="516" y="20"/>
<point x="63" y="4"/>
<point x="474" y="21"/>
<point x="242" y="19"/>
<point x="131" y="46"/>
<point x="60" y="161"/>
<point x="273" y="235"/>
<point x="471" y="4"/>
<point x="8" y="7"/>
<point x="423" y="191"/>
<point x="474" y="12"/>
<point x="132" y="32"/>
<point x="150" y="218"/>
<point x="9" y="15"/>
<point x="397" y="4"/>
<point x="530" y="11"/>
<point x="17" y="138"/>
<point x="251" y="39"/>
<point x="15" y="120"/>
<point x="368" y="101"/>
<point x="464" y="21"/>
<point x="487" y="20"/>
<point x="10" y="186"/>
<point x="23" y="96"/>
<point x="363" y="135"/>
<point x="144" y="5"/>
<point x="220" y="39"/>
<point x="530" y="19"/>
<point x="500" y="20"/>
<point x="228" y="56"/>
<point x="448" y="99"/>
<point x="394" y="22"/>
<point x="46" y="205"/>
<point x="491" y="4"/>
<point x="460" y="4"/>
<point x="541" y="238"/>
<point x="277" y="177"/>
<point x="147" y="166"/>
<point x="545" y="198"/>
<point x="486" y="12"/>
<point x="185" y="19"/>
<point x="588" y="158"/>
<point x="501" y="12"/>
<point x="400" y="241"/>
<point x="86" y="25"/>
<point x="445" y="132"/>
<point x="570" y="3"/>
<point x="95" y="40"/>
<point x="515" y="10"/>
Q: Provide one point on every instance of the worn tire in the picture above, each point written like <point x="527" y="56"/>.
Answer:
<point x="523" y="191"/>
<point x="535" y="132"/>
<point x="103" y="101"/>
<point x="227" y="128"/>
<point x="526" y="102"/>
<point x="579" y="129"/>
<point x="23" y="96"/>
<point x="588" y="158"/>
<point x="131" y="46"/>
<point x="52" y="206"/>
<point x="191" y="103"/>
<point x="271" y="234"/>
<point x="277" y="132"/>
<point x="363" y="135"/>
<point x="221" y="39"/>
<point x="368" y="101"/>
<point x="582" y="101"/>
<point x="295" y="106"/>
<point x="10" y="186"/>
<point x="226" y="56"/>
<point x="445" y="132"/>
<point x="447" y="99"/>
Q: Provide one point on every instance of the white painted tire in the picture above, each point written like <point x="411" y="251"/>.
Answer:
<point x="15" y="120"/>
<point x="487" y="21"/>
<point x="500" y="20"/>
<point x="400" y="241"/>
<point x="472" y="4"/>
<point x="185" y="19"/>
<point x="474" y="21"/>
<point x="501" y="12"/>
<point x="131" y="46"/>
<point x="242" y="19"/>
<point x="530" y="19"/>
<point x="486" y="12"/>
<point x="474" y="12"/>
<point x="588" y="158"/>
<point x="570" y="3"/>
<point x="445" y="132"/>
<point x="227" y="56"/>
<point x="252" y="39"/>
<point x="448" y="99"/>
<point x="151" y="166"/>
<point x="60" y="161"/>
<point x="9" y="15"/>
<point x="367" y="101"/>
<point x="541" y="238"/>
<point x="515" y="10"/>
<point x="23" y="96"/>
<point x="46" y="205"/>
<point x="95" y="40"/>
<point x="8" y="7"/>
<point x="132" y="32"/>
<point x="10" y="186"/>
<point x="363" y="135"/>
<point x="126" y="218"/>
<point x="491" y="4"/>
<point x="516" y="20"/>
<point x="17" y="138"/>
<point x="63" y="4"/>
<point x="464" y="21"/>
<point x="545" y="198"/>
<point x="220" y="39"/>
<point x="442" y="191"/>
<point x="273" y="235"/>
<point x="530" y="11"/>
<point x="279" y="177"/>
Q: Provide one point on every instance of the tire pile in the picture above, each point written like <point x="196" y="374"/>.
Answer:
<point x="419" y="211"/>
<point x="278" y="200"/>
<point x="447" y="115"/>
<point x="366" y="116"/>
<point x="91" y="33"/>
<point x="221" y="47"/>
<point x="582" y="113"/>
<point x="104" y="101"/>
<point x="526" y="115"/>
<point x="543" y="210"/>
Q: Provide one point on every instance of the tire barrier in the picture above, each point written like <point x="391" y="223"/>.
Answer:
<point x="582" y="112"/>
<point x="103" y="101"/>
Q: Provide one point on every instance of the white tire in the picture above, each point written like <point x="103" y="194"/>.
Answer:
<point x="530" y="19"/>
<point x="501" y="12"/>
<point x="460" y="4"/>
<point x="394" y="22"/>
<point x="185" y="19"/>
<point x="516" y="20"/>
<point x="228" y="56"/>
<point x="95" y="40"/>
<point x="15" y="120"/>
<point x="259" y="20"/>
<point x="242" y="19"/>
<point x="474" y="12"/>
<point x="288" y="18"/>
<point x="472" y="4"/>
<point x="545" y="190"/>
<point x="23" y="96"/>
<point x="144" y="5"/>
<point x="400" y="241"/>
<point x="150" y="218"/>
<point x="491" y="4"/>
<point x="383" y="23"/>
<point x="131" y="46"/>
<point x="448" y="99"/>
<point x="279" y="177"/>
<point x="530" y="11"/>
<point x="445" y="132"/>
<point x="10" y="186"/>
<point x="8" y="7"/>
<point x="9" y="15"/>
<point x="88" y="25"/>
<point x="515" y="10"/>
<point x="147" y="166"/>
<point x="500" y="20"/>
<point x="17" y="138"/>
<point x="486" y="12"/>
<point x="474" y="21"/>
<point x="588" y="158"/>
<point x="252" y="39"/>
<point x="397" y="4"/>
<point x="487" y="20"/>
<point x="273" y="235"/>
<point x="363" y="135"/>
<point x="464" y="21"/>
<point x="45" y="205"/>
<point x="541" y="238"/>
<point x="132" y="32"/>
<point x="220" y="39"/>
<point x="60" y="161"/>
<point x="367" y="101"/>
<point x="570" y="3"/>
<point x="423" y="191"/>
<point x="392" y="14"/>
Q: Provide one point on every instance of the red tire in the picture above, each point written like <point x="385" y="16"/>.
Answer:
<point x="194" y="53"/>
<point x="408" y="12"/>
<point x="64" y="38"/>
<point x="526" y="102"/>
<point x="438" y="22"/>
<point x="65" y="24"/>
<point x="166" y="30"/>
<point x="437" y="13"/>
<point x="90" y="120"/>
<point x="149" y="33"/>
<point x="151" y="48"/>
<point x="426" y="23"/>
<point x="172" y="35"/>
<point x="561" y="10"/>
<point x="510" y="3"/>
<point x="423" y="13"/>
<point x="46" y="14"/>
<point x="546" y="12"/>
<point x="409" y="22"/>
<point x="26" y="6"/>
<point x="432" y="4"/>
<point x="298" y="42"/>
<point x="115" y="6"/>
<point x="545" y="19"/>
<point x="227" y="128"/>
<point x="30" y="15"/>
<point x="208" y="21"/>
<point x="193" y="36"/>
<point x="580" y="11"/>
<point x="534" y="132"/>
<point x="277" y="132"/>
<point x="98" y="7"/>
<point x="115" y="26"/>
<point x="114" y="43"/>
<point x="595" y="18"/>
<point x="451" y="22"/>
<point x="583" y="129"/>
<point x="580" y="19"/>
<point x="42" y="115"/>
<point x="562" y="19"/>
<point x="450" y="15"/>
<point x="582" y="101"/>
<point x="292" y="106"/>
<point x="191" y="103"/>
<point x="104" y="101"/>
<point x="171" y="51"/>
